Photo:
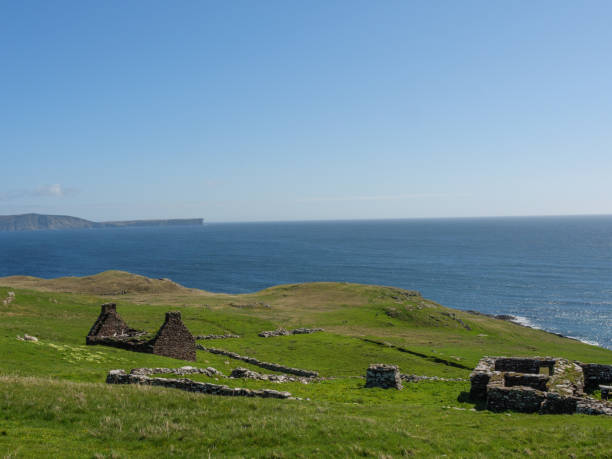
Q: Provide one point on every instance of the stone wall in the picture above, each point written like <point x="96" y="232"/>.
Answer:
<point x="250" y="374"/>
<point x="382" y="375"/>
<point x="523" y="399"/>
<point x="527" y="380"/>
<point x="174" y="339"/>
<point x="110" y="324"/>
<point x="561" y="392"/>
<point x="596" y="374"/>
<point x="228" y="335"/>
<point x="283" y="332"/>
<point x="186" y="370"/>
<point x="121" y="377"/>
<point x="522" y="365"/>
<point x="266" y="365"/>
<point x="480" y="377"/>
<point x="419" y="378"/>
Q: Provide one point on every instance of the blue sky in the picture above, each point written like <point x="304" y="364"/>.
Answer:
<point x="247" y="111"/>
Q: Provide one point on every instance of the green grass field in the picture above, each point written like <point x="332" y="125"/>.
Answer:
<point x="54" y="402"/>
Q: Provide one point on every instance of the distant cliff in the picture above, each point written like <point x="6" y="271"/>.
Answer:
<point x="33" y="222"/>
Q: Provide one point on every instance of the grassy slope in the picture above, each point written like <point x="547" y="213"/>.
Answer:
<point x="84" y="417"/>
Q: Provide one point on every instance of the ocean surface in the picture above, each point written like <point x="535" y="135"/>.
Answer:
<point x="554" y="273"/>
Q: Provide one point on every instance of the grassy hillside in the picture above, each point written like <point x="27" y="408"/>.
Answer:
<point x="54" y="401"/>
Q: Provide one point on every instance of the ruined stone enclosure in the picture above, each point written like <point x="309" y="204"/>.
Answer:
<point x="173" y="339"/>
<point x="542" y="385"/>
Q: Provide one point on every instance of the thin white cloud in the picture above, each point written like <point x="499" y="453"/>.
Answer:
<point x="49" y="191"/>
<point x="54" y="190"/>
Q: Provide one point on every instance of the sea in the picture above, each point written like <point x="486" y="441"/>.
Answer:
<point x="552" y="273"/>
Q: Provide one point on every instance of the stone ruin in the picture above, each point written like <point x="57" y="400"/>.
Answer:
<point x="382" y="375"/>
<point x="173" y="339"/>
<point x="542" y="385"/>
<point x="120" y="376"/>
<point x="283" y="332"/>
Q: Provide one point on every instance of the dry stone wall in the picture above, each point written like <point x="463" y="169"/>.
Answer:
<point x="121" y="377"/>
<point x="528" y="380"/>
<point x="419" y="378"/>
<point x="172" y="340"/>
<point x="384" y="376"/>
<point x="497" y="381"/>
<point x="266" y="365"/>
<point x="228" y="335"/>
<point x="250" y="374"/>
<point x="110" y="325"/>
<point x="283" y="332"/>
<point x="186" y="370"/>
<point x="596" y="374"/>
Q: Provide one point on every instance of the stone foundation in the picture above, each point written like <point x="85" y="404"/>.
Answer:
<point x="517" y="384"/>
<point x="384" y="376"/>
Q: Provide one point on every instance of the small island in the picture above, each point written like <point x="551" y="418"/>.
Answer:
<point x="37" y="222"/>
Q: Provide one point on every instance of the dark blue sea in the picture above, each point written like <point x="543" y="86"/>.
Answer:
<point x="551" y="272"/>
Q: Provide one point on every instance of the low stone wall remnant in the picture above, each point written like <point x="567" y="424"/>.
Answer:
<point x="258" y="363"/>
<point x="283" y="332"/>
<point x="186" y="370"/>
<point x="382" y="375"/>
<point x="419" y="378"/>
<point x="250" y="374"/>
<point x="228" y="335"/>
<point x="121" y="377"/>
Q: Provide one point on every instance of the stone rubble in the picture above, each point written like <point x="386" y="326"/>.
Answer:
<point x="418" y="378"/>
<point x="250" y="374"/>
<point x="121" y="377"/>
<point x="228" y="335"/>
<point x="186" y="370"/>
<point x="258" y="363"/>
<point x="384" y="376"/>
<point x="283" y="332"/>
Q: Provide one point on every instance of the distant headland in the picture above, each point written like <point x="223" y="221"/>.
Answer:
<point x="36" y="222"/>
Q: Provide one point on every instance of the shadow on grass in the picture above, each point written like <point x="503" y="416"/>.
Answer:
<point x="479" y="405"/>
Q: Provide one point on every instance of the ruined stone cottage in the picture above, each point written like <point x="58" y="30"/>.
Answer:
<point x="173" y="339"/>
<point x="543" y="385"/>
